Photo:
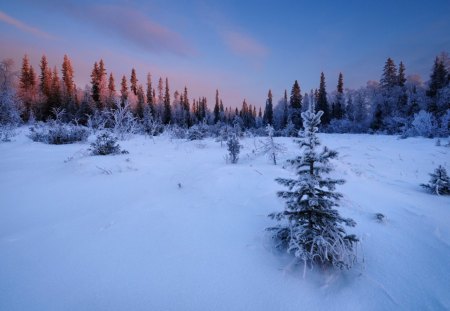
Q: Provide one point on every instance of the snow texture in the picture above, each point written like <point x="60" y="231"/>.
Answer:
<point x="170" y="226"/>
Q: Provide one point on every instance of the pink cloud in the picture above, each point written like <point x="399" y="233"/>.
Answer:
<point x="133" y="26"/>
<point x="24" y="27"/>
<point x="244" y="45"/>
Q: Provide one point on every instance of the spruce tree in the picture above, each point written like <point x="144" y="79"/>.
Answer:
<point x="401" y="75"/>
<point x="140" y="105"/>
<point x="133" y="82"/>
<point x="149" y="94"/>
<point x="340" y="99"/>
<point x="111" y="91"/>
<point x="27" y="83"/>
<point x="439" y="182"/>
<point x="295" y="105"/>
<point x="438" y="78"/>
<point x="268" y="110"/>
<point x="167" y="116"/>
<point x="68" y="88"/>
<point x="123" y="91"/>
<point x="45" y="82"/>
<point x="95" y="85"/>
<point x="389" y="77"/>
<point x="217" y="108"/>
<point x="312" y="228"/>
<point x="322" y="101"/>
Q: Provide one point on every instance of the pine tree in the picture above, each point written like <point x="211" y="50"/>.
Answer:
<point x="268" y="110"/>
<point x="338" y="112"/>
<point x="439" y="182"/>
<point x="313" y="229"/>
<point x="133" y="82"/>
<point x="187" y="109"/>
<point x="45" y="82"/>
<point x="217" y="108"/>
<point x="140" y="105"/>
<point x="123" y="91"/>
<point x="102" y="84"/>
<point x="55" y="91"/>
<point x="438" y="78"/>
<point x="67" y="76"/>
<point x="295" y="105"/>
<point x="45" y="77"/>
<point x="322" y="101"/>
<point x="111" y="91"/>
<point x="95" y="85"/>
<point x="389" y="77"/>
<point x="167" y="116"/>
<point x="401" y="75"/>
<point x="149" y="94"/>
<point x="27" y="84"/>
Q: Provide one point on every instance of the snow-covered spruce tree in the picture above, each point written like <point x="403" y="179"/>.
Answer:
<point x="439" y="182"/>
<point x="105" y="144"/>
<point x="233" y="148"/>
<point x="312" y="228"/>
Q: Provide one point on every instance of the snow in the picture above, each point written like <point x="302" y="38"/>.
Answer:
<point x="171" y="226"/>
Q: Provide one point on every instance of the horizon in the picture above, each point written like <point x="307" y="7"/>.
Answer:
<point x="207" y="45"/>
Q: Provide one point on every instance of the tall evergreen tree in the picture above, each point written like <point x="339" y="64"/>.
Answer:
<point x="27" y="87"/>
<point x="55" y="92"/>
<point x="67" y="76"/>
<point x="217" y="108"/>
<point x="111" y="91"/>
<point x="438" y="78"/>
<point x="295" y="105"/>
<point x="322" y="101"/>
<point x="123" y="91"/>
<point x="167" y="116"/>
<point x="149" y="94"/>
<point x="268" y="110"/>
<point x="45" y="77"/>
<point x="338" y="111"/>
<point x="312" y="228"/>
<point x="102" y="84"/>
<point x="95" y="85"/>
<point x="401" y="75"/>
<point x="389" y="77"/>
<point x="133" y="82"/>
<point x="140" y="104"/>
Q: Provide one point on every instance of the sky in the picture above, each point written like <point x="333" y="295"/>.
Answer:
<point x="242" y="48"/>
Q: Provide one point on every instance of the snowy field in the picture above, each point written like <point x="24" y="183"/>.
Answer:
<point x="171" y="226"/>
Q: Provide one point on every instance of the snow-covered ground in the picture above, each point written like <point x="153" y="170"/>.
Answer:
<point x="171" y="226"/>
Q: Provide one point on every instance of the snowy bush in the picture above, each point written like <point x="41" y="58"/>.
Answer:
<point x="124" y="124"/>
<point x="151" y="125"/>
<point x="423" y="124"/>
<point x="198" y="131"/>
<point x="224" y="133"/>
<point x="312" y="229"/>
<point x="98" y="121"/>
<point x="439" y="182"/>
<point x="105" y="144"/>
<point x="234" y="148"/>
<point x="269" y="147"/>
<point x="178" y="132"/>
<point x="57" y="133"/>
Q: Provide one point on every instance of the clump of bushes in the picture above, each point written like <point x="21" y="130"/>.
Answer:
<point x="57" y="133"/>
<point x="106" y="144"/>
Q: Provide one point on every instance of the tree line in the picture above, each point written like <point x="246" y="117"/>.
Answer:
<point x="396" y="104"/>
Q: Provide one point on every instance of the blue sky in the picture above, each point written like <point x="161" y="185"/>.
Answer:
<point x="242" y="48"/>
